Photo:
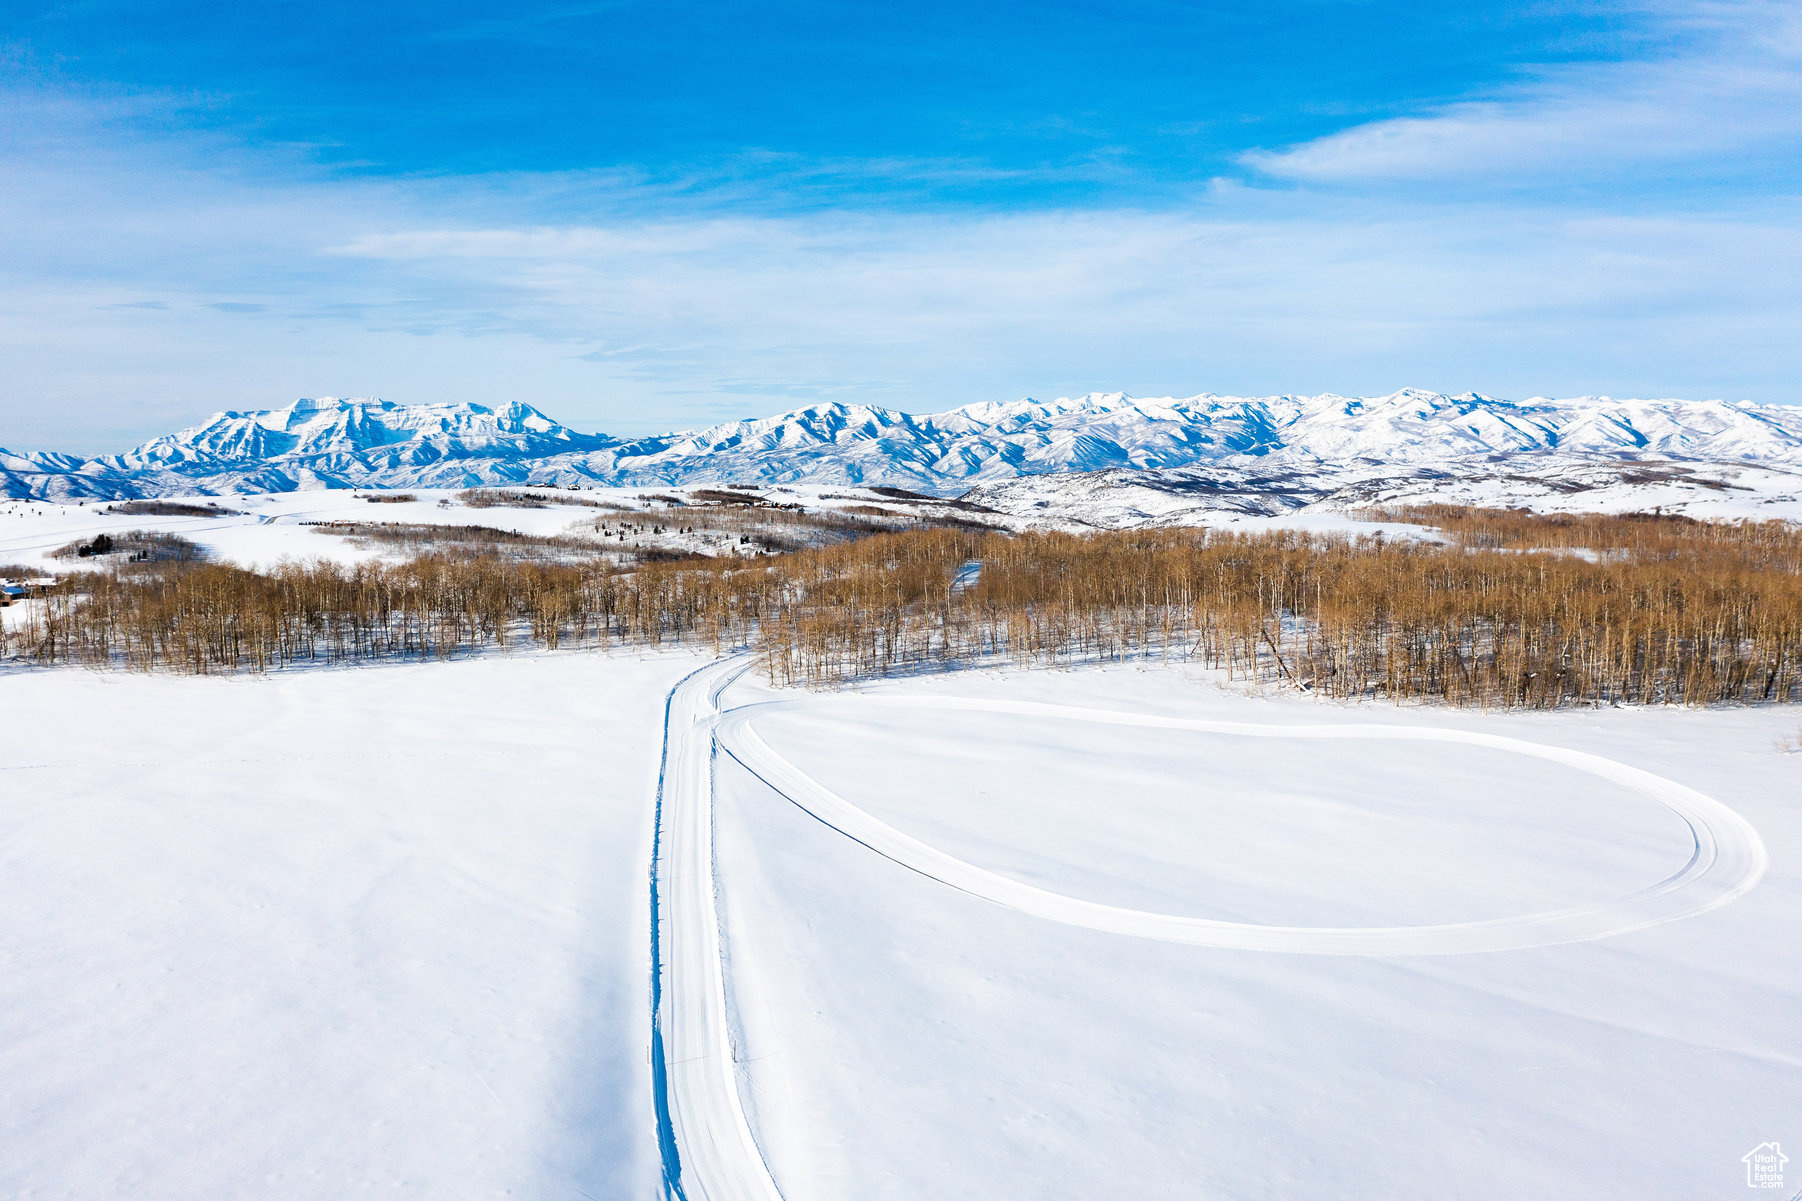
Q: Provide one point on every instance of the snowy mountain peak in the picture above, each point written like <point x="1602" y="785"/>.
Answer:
<point x="344" y="442"/>
<point x="331" y="426"/>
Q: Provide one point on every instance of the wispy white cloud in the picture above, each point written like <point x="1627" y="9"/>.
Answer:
<point x="641" y="325"/>
<point x="1724" y="93"/>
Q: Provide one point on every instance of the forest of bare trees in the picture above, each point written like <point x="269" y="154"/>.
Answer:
<point x="1508" y="609"/>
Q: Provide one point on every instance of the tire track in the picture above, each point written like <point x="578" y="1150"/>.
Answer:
<point x="1727" y="857"/>
<point x="708" y="1150"/>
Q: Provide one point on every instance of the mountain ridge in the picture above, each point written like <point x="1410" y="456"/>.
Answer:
<point x="356" y="442"/>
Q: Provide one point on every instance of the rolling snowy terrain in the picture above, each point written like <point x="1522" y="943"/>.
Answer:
<point x="347" y="933"/>
<point x="1317" y="444"/>
<point x="1542" y="481"/>
<point x="259" y="531"/>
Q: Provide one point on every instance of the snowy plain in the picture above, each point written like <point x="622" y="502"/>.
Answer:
<point x="976" y="1051"/>
<point x="263" y="529"/>
<point x="260" y="530"/>
<point x="348" y="932"/>
<point x="329" y="933"/>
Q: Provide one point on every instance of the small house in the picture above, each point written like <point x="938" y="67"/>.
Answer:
<point x="16" y="590"/>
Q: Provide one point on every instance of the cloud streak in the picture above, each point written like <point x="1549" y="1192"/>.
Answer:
<point x="1732" y="92"/>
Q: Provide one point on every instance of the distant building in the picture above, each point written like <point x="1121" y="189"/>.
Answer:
<point x="15" y="590"/>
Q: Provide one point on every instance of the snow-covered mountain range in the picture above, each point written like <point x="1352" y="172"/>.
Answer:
<point x="330" y="442"/>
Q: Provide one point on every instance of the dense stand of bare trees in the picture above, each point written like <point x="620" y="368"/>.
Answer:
<point x="213" y="617"/>
<point x="1513" y="610"/>
<point x="1638" y="536"/>
<point x="1339" y="616"/>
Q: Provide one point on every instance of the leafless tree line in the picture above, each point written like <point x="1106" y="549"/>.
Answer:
<point x="1660" y="610"/>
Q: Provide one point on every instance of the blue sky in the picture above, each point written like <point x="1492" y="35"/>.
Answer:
<point x="649" y="216"/>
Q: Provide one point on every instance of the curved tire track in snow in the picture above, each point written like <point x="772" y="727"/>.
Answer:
<point x="1728" y="858"/>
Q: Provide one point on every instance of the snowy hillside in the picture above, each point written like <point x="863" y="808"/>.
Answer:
<point x="1542" y="481"/>
<point x="361" y="443"/>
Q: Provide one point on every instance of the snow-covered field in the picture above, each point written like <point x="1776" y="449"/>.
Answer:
<point x="260" y="530"/>
<point x="328" y="934"/>
<point x="1046" y="1060"/>
<point x="336" y="933"/>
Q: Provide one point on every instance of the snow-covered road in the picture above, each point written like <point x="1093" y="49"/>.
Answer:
<point x="708" y="1151"/>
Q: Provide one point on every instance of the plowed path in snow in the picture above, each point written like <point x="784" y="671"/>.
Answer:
<point x="709" y="1150"/>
